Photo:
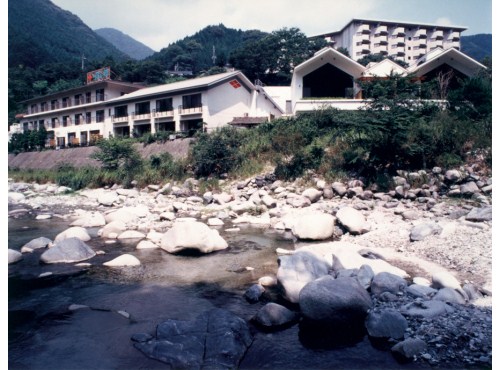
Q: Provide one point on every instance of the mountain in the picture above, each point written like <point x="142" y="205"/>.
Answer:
<point x="197" y="52"/>
<point x="477" y="46"/>
<point x="125" y="43"/>
<point x="41" y="32"/>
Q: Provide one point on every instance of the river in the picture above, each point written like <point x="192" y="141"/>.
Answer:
<point x="44" y="334"/>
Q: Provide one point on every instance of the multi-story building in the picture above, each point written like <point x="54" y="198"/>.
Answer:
<point x="403" y="41"/>
<point x="112" y="108"/>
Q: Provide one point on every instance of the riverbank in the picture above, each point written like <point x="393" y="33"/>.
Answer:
<point x="435" y="227"/>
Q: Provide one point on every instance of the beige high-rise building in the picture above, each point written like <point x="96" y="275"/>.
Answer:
<point x="404" y="41"/>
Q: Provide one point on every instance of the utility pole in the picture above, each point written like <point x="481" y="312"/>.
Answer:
<point x="83" y="61"/>
<point x="213" y="54"/>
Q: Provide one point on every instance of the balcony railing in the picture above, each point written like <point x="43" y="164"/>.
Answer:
<point x="139" y="116"/>
<point x="67" y="103"/>
<point x="190" y="110"/>
<point x="163" y="113"/>
<point x="121" y="118"/>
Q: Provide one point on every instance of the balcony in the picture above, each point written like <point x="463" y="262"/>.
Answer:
<point x="382" y="30"/>
<point x="121" y="118"/>
<point x="421" y="33"/>
<point x="364" y="29"/>
<point x="141" y="116"/>
<point x="398" y="31"/>
<point x="166" y="113"/>
<point x="190" y="110"/>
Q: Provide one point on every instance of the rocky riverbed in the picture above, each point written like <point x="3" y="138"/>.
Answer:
<point x="421" y="253"/>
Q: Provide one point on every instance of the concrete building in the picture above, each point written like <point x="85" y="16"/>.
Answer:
<point x="404" y="41"/>
<point x="98" y="110"/>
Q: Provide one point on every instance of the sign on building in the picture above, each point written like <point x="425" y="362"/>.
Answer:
<point x="99" y="75"/>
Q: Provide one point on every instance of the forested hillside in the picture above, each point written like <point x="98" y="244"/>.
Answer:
<point x="477" y="46"/>
<point x="125" y="43"/>
<point x="41" y="32"/>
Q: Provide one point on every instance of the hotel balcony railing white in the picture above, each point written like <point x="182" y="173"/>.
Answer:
<point x="398" y="31"/>
<point x="123" y="118"/>
<point x="67" y="103"/>
<point x="166" y="113"/>
<point x="141" y="116"/>
<point x="438" y="34"/>
<point x="192" y="110"/>
<point x="364" y="28"/>
<point x="382" y="30"/>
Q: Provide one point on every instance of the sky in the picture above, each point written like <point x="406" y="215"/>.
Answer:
<point x="158" y="23"/>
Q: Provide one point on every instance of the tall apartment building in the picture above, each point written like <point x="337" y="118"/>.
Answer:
<point x="400" y="40"/>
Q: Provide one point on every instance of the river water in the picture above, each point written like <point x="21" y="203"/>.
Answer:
<point x="44" y="334"/>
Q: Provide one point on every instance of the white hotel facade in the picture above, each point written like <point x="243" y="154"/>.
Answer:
<point x="403" y="41"/>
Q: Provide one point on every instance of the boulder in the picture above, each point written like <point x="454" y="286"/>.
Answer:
<point x="68" y="250"/>
<point x="90" y="219"/>
<point x="339" y="188"/>
<point x="421" y="291"/>
<point x="449" y="295"/>
<point x="108" y="198"/>
<point x="269" y="201"/>
<point x="124" y="215"/>
<point x="353" y="220"/>
<point x="216" y="339"/>
<point x="334" y="302"/>
<point x="214" y="221"/>
<point x="421" y="231"/>
<point x="314" y="226"/>
<point x="146" y="244"/>
<point x="16" y="197"/>
<point x="37" y="243"/>
<point x="192" y="235"/>
<point x="131" y="234"/>
<point x="274" y="316"/>
<point x="387" y="282"/>
<point x="312" y="194"/>
<point x="123" y="261"/>
<point x="408" y="349"/>
<point x="426" y="309"/>
<point x="452" y="176"/>
<point x="14" y="256"/>
<point x="480" y="214"/>
<point x="469" y="188"/>
<point x="73" y="232"/>
<point x="386" y="324"/>
<point x="112" y="230"/>
<point x="298" y="201"/>
<point x="222" y="198"/>
<point x="253" y="293"/>
<point x="444" y="279"/>
<point x="298" y="269"/>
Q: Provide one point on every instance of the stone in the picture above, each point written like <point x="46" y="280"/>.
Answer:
<point x="43" y="217"/>
<point x="409" y="348"/>
<point x="298" y="269"/>
<point x="216" y="339"/>
<point x="421" y="291"/>
<point x="146" y="244"/>
<point x="469" y="188"/>
<point x="254" y="293"/>
<point x="37" y="243"/>
<point x="124" y="215"/>
<point x="339" y="188"/>
<point x="480" y="214"/>
<point x="269" y="201"/>
<point x="131" y="234"/>
<point x="449" y="295"/>
<point x="298" y="201"/>
<point x="112" y="230"/>
<point x="386" y="324"/>
<point x="444" y="279"/>
<point x="192" y="235"/>
<point x="15" y="197"/>
<point x="314" y="226"/>
<point x="123" y="261"/>
<point x="426" y="309"/>
<point x="90" y="219"/>
<point x="14" y="256"/>
<point x="222" y="198"/>
<point x="421" y="231"/>
<point x="108" y="198"/>
<point x="312" y="194"/>
<point x="273" y="315"/>
<point x="387" y="282"/>
<point x="73" y="232"/>
<point x="453" y="176"/>
<point x="168" y="216"/>
<point x="267" y="281"/>
<point x="328" y="193"/>
<point x="214" y="221"/>
<point x="353" y="220"/>
<point x="334" y="302"/>
<point x="68" y="250"/>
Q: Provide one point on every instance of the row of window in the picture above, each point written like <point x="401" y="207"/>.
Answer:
<point x="67" y="101"/>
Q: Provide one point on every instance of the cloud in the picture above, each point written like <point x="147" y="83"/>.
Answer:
<point x="443" y="21"/>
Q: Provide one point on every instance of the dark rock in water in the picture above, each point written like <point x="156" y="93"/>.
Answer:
<point x="253" y="293"/>
<point x="141" y="337"/>
<point x="41" y="242"/>
<point x="68" y="251"/>
<point x="407" y="349"/>
<point x="387" y="282"/>
<point x="334" y="302"/>
<point x="215" y="339"/>
<point x="386" y="324"/>
<point x="275" y="316"/>
<point x="426" y="309"/>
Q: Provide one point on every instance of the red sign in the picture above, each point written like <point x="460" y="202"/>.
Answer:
<point x="234" y="84"/>
<point x="99" y="75"/>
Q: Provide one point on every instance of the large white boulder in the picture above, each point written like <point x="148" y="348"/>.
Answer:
<point x="123" y="261"/>
<point x="314" y="226"/>
<point x="353" y="220"/>
<point x="73" y="232"/>
<point x="192" y="235"/>
<point x="90" y="219"/>
<point x="68" y="250"/>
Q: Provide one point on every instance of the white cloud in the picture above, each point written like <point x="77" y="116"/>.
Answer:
<point x="443" y="21"/>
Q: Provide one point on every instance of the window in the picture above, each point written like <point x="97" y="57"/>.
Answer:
<point x="121" y="111"/>
<point x="77" y="119"/>
<point x="54" y="104"/>
<point x="99" y="116"/>
<point x="65" y="121"/>
<point x="409" y="38"/>
<point x="44" y="106"/>
<point x="88" y="117"/>
<point x="34" y="108"/>
<point x="191" y="101"/>
<point x="66" y="102"/>
<point x="53" y="123"/>
<point x="164" y="105"/>
<point x="99" y="95"/>
<point x="143" y="108"/>
<point x="78" y="99"/>
<point x="88" y="97"/>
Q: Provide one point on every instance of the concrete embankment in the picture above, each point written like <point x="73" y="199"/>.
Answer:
<point x="80" y="157"/>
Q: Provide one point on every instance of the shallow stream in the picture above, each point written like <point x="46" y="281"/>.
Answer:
<point x="44" y="334"/>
